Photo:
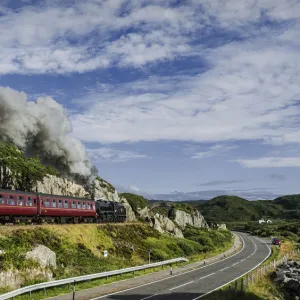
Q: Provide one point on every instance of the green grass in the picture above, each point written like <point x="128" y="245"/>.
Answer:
<point x="79" y="248"/>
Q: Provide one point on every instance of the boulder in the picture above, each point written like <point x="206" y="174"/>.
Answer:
<point x="42" y="254"/>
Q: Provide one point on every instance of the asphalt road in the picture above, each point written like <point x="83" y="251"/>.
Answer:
<point x="195" y="284"/>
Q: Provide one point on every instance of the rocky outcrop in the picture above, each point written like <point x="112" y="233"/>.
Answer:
<point x="14" y="279"/>
<point x="218" y="226"/>
<point x="165" y="225"/>
<point x="43" y="255"/>
<point x="288" y="275"/>
<point x="183" y="218"/>
<point x="60" y="186"/>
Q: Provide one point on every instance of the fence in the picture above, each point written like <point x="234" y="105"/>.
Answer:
<point x="74" y="280"/>
<point x="239" y="287"/>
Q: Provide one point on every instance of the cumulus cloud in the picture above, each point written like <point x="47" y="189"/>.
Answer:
<point x="219" y="182"/>
<point x="213" y="150"/>
<point x="114" y="155"/>
<point x="270" y="162"/>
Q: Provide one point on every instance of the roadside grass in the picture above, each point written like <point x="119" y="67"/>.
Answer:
<point x="79" y="250"/>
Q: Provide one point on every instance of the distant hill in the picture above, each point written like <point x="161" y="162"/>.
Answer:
<point x="289" y="202"/>
<point x="233" y="208"/>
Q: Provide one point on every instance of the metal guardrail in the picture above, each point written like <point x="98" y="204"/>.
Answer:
<point x="74" y="280"/>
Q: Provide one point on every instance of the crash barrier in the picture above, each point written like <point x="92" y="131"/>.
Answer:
<point x="74" y="280"/>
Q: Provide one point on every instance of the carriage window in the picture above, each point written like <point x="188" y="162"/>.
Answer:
<point x="83" y="205"/>
<point x="11" y="201"/>
<point x="29" y="201"/>
<point x="66" y="204"/>
<point x="20" y="201"/>
<point x="60" y="204"/>
<point x="47" y="203"/>
<point x="2" y="200"/>
<point x="53" y="203"/>
<point x="73" y="204"/>
<point x="34" y="201"/>
<point x="78" y="204"/>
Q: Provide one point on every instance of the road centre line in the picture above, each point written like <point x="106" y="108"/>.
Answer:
<point x="163" y="279"/>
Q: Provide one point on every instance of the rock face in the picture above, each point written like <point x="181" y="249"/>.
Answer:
<point x="14" y="279"/>
<point x="218" y="226"/>
<point x="182" y="219"/>
<point x="43" y="255"/>
<point x="288" y="274"/>
<point x="165" y="225"/>
<point x="60" y="186"/>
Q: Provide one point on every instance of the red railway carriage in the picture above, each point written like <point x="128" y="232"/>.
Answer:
<point x="17" y="205"/>
<point x="65" y="209"/>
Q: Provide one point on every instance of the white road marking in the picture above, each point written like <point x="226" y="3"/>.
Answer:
<point x="224" y="269"/>
<point x="179" y="286"/>
<point x="207" y="276"/>
<point x="219" y="287"/>
<point x="202" y="267"/>
<point x="149" y="297"/>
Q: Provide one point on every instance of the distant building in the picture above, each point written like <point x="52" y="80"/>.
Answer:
<point x="261" y="221"/>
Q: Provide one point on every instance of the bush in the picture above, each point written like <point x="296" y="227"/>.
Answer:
<point x="135" y="201"/>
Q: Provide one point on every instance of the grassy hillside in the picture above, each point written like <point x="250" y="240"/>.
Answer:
<point x="79" y="248"/>
<point x="289" y="202"/>
<point x="233" y="208"/>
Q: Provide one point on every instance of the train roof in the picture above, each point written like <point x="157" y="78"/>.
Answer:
<point x="16" y="192"/>
<point x="51" y="195"/>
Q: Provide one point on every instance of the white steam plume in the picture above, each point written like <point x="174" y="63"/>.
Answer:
<point x="42" y="128"/>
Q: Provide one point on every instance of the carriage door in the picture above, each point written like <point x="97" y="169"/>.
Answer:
<point x="38" y="203"/>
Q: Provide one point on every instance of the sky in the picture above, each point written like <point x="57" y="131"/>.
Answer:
<point x="171" y="99"/>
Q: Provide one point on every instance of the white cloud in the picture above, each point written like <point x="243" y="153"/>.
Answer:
<point x="40" y="38"/>
<point x="270" y="162"/>
<point x="213" y="151"/>
<point x="109" y="154"/>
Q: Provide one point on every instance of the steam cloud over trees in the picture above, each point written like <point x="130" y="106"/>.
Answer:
<point x="42" y="128"/>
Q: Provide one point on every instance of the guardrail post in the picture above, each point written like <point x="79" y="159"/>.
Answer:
<point x="45" y="291"/>
<point x="74" y="290"/>
<point x="171" y="270"/>
<point x="106" y="278"/>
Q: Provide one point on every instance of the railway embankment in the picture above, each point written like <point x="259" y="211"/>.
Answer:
<point x="81" y="249"/>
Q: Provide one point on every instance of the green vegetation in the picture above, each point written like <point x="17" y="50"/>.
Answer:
<point x="20" y="171"/>
<point x="284" y="230"/>
<point x="79" y="247"/>
<point x="233" y="208"/>
<point x="135" y="201"/>
<point x="105" y="185"/>
<point x="208" y="240"/>
<point x="289" y="202"/>
<point x="184" y="207"/>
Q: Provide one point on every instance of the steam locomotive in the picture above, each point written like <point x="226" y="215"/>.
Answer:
<point x="18" y="207"/>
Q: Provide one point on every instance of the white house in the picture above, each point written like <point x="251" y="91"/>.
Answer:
<point x="261" y="221"/>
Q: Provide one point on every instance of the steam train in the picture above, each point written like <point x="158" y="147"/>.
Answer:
<point x="27" y="207"/>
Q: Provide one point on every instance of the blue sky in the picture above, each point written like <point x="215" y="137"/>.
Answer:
<point x="193" y="98"/>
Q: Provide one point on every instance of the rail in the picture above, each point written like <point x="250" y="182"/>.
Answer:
<point x="74" y="280"/>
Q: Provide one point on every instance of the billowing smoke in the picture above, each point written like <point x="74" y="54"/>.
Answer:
<point x="42" y="128"/>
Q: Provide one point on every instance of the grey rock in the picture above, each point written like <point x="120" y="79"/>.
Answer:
<point x="42" y="254"/>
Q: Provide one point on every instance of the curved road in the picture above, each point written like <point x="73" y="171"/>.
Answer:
<point x="194" y="284"/>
